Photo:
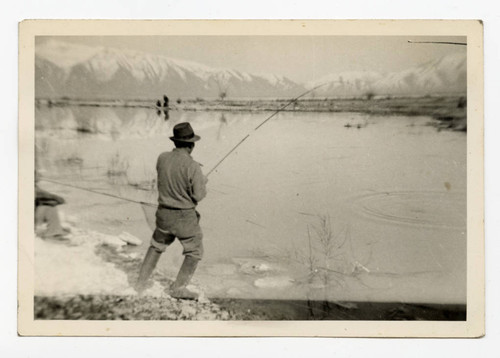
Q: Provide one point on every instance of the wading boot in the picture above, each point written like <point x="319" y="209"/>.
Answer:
<point x="148" y="265"/>
<point x="178" y="289"/>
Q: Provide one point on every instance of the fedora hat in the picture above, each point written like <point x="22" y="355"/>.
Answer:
<point x="184" y="133"/>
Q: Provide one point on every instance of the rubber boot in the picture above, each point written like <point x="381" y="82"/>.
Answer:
<point x="178" y="288"/>
<point x="148" y="265"/>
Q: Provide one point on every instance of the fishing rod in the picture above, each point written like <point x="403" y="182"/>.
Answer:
<point x="99" y="192"/>
<point x="438" y="42"/>
<point x="261" y="124"/>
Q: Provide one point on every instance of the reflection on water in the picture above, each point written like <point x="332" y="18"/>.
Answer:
<point x="393" y="191"/>
<point x="164" y="112"/>
<point x="223" y="123"/>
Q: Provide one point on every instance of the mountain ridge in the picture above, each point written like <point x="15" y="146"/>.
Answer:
<point x="80" y="71"/>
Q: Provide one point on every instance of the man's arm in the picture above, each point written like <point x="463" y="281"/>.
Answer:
<point x="198" y="183"/>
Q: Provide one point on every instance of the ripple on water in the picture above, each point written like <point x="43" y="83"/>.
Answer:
<point x="420" y="208"/>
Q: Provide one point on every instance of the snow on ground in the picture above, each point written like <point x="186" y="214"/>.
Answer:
<point x="72" y="266"/>
<point x="73" y="281"/>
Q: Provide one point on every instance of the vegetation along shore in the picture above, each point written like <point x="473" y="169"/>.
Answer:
<point x="447" y="112"/>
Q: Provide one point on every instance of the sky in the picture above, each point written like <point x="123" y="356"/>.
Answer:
<point x="300" y="58"/>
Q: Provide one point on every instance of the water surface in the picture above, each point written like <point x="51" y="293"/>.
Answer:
<point x="344" y="205"/>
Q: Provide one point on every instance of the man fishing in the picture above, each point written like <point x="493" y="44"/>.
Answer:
<point x="181" y="185"/>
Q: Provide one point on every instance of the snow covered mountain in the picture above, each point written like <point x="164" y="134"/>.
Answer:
<point x="78" y="71"/>
<point x="446" y="75"/>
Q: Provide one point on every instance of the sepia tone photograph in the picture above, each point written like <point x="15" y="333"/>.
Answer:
<point x="296" y="174"/>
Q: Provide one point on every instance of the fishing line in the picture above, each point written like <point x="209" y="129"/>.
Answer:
<point x="99" y="192"/>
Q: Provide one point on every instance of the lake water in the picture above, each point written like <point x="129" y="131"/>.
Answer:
<point x="343" y="205"/>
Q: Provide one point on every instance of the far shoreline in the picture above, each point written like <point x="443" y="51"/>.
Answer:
<point x="448" y="112"/>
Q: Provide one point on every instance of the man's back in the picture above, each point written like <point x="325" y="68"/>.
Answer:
<point x="181" y="184"/>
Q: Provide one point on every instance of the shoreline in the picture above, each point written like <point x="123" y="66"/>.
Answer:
<point x="122" y="303"/>
<point x="156" y="304"/>
<point x="448" y="112"/>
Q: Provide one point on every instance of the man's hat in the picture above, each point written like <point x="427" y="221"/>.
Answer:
<point x="184" y="133"/>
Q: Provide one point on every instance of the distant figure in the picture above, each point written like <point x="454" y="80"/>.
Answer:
<point x="165" y="101"/>
<point x="158" y="103"/>
<point x="46" y="213"/>
<point x="181" y="185"/>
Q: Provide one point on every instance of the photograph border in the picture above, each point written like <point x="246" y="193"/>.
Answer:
<point x="474" y="324"/>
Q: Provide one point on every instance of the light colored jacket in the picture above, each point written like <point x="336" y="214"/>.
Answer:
<point x="181" y="184"/>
